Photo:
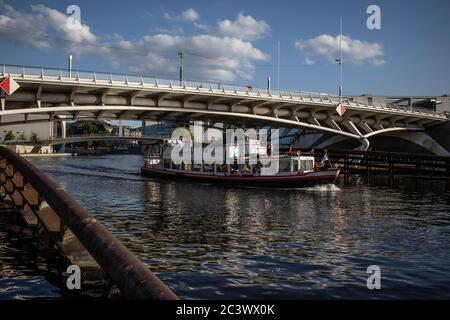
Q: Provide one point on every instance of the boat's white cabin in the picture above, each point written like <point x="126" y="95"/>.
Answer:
<point x="288" y="164"/>
<point x="302" y="164"/>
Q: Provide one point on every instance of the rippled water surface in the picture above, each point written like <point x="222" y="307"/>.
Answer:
<point x="208" y="241"/>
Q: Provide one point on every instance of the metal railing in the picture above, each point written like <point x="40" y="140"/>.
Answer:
<point x="211" y="87"/>
<point x="113" y="135"/>
<point x="388" y="163"/>
<point x="28" y="187"/>
<point x="110" y="136"/>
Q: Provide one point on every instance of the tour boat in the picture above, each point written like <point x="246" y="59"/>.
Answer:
<point x="295" y="170"/>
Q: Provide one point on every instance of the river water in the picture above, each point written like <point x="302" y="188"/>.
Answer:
<point x="212" y="242"/>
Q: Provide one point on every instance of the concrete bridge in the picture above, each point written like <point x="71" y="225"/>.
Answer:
<point x="55" y="95"/>
<point x="91" y="137"/>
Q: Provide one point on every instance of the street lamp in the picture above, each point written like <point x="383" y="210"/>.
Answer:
<point x="340" y="61"/>
<point x="181" y="68"/>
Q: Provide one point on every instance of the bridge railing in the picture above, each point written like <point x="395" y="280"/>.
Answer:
<point x="29" y="188"/>
<point x="137" y="80"/>
<point x="125" y="135"/>
<point x="87" y="136"/>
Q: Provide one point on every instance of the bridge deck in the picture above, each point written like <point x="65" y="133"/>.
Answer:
<point x="51" y="95"/>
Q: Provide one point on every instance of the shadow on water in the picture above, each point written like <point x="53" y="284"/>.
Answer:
<point x="209" y="241"/>
<point x="29" y="270"/>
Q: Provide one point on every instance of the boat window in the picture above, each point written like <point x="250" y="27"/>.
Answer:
<point x="306" y="165"/>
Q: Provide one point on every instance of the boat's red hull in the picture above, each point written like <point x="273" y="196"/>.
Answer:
<point x="310" y="179"/>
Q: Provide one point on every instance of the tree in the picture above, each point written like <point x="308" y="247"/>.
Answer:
<point x="92" y="128"/>
<point x="9" y="136"/>
<point x="34" y="137"/>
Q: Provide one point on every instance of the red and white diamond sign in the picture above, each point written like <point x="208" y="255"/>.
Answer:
<point x="9" y="85"/>
<point x="341" y="109"/>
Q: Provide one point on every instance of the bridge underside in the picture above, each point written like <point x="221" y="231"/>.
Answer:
<point x="39" y="100"/>
<point x="420" y="142"/>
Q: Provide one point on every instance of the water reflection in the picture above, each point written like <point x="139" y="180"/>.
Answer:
<point x="209" y="241"/>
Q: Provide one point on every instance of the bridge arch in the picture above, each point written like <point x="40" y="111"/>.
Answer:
<point x="222" y="115"/>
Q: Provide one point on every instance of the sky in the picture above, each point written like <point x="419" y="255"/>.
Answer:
<point x="236" y="42"/>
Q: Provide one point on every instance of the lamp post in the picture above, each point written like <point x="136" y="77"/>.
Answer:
<point x="181" y="68"/>
<point x="70" y="66"/>
<point x="340" y="61"/>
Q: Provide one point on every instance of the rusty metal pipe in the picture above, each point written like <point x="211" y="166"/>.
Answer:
<point x="131" y="276"/>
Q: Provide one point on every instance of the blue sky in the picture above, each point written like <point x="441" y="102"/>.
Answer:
<point x="236" y="41"/>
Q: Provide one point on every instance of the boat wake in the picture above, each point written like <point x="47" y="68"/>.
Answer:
<point x="318" y="188"/>
<point x="322" y="188"/>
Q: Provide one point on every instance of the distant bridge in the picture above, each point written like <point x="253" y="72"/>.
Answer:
<point x="91" y="137"/>
<point x="52" y="95"/>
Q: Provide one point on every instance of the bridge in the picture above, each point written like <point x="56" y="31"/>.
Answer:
<point x="56" y="95"/>
<point x="90" y="137"/>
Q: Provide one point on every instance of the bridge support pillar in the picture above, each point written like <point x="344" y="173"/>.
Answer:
<point x="365" y="144"/>
<point x="50" y="128"/>
<point x="120" y="128"/>
<point x="63" y="129"/>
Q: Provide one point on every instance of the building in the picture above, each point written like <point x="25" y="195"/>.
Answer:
<point x="435" y="103"/>
<point x="43" y="130"/>
<point x="154" y="128"/>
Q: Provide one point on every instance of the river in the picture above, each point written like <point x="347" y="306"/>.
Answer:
<point x="212" y="242"/>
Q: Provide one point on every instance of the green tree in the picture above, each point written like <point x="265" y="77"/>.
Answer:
<point x="9" y="136"/>
<point x="34" y="137"/>
<point x="92" y="128"/>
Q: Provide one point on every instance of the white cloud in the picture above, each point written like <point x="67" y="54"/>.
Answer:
<point x="378" y="62"/>
<point x="205" y="57"/>
<point x="58" y="22"/>
<point x="202" y="27"/>
<point x="189" y="15"/>
<point x="309" y="62"/>
<point x="244" y="27"/>
<point x="173" y="31"/>
<point x="13" y="23"/>
<point x="226" y="65"/>
<point x="353" y="50"/>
